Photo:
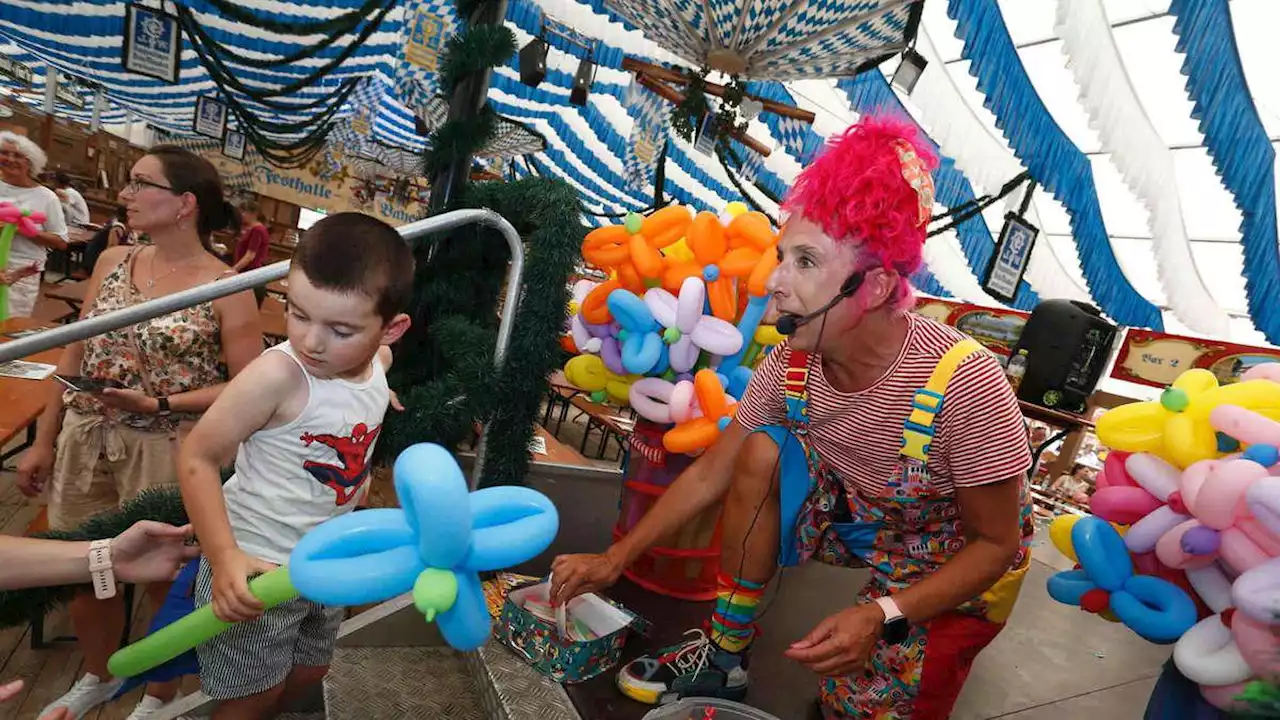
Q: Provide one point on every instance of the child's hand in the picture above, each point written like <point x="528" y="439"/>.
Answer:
<point x="232" y="600"/>
<point x="395" y="402"/>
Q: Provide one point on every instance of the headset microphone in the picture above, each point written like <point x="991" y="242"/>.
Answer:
<point x="789" y="323"/>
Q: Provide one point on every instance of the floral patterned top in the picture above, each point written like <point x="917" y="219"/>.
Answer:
<point x="183" y="352"/>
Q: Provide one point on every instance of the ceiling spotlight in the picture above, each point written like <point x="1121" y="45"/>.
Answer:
<point x="533" y="62"/>
<point x="909" y="71"/>
<point x="582" y="82"/>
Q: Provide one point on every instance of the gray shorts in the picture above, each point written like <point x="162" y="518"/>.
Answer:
<point x="255" y="656"/>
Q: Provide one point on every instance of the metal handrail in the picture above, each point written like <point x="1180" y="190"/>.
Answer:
<point x="116" y="319"/>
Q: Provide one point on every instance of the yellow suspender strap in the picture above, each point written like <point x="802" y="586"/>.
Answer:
<point x="917" y="432"/>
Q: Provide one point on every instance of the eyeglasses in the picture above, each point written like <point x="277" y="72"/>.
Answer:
<point x="137" y="184"/>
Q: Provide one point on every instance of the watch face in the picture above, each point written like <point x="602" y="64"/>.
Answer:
<point x="897" y="631"/>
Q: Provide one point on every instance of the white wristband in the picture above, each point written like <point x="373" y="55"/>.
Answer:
<point x="104" y="580"/>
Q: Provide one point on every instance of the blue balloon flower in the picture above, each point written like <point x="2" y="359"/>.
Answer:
<point x="434" y="545"/>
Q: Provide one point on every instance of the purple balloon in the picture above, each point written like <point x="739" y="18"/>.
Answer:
<point x="612" y="356"/>
<point x="1201" y="540"/>
<point x="687" y="377"/>
<point x="600" y="331"/>
<point x="615" y="328"/>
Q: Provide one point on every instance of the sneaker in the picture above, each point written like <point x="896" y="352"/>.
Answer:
<point x="150" y="707"/>
<point x="88" y="693"/>
<point x="693" y="668"/>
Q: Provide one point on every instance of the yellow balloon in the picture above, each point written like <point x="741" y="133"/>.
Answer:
<point x="587" y="372"/>
<point x="618" y="387"/>
<point x="679" y="251"/>
<point x="734" y="209"/>
<point x="1060" y="534"/>
<point x="1176" y="427"/>
<point x="767" y="335"/>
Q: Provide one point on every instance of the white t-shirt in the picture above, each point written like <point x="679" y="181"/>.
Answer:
<point x="291" y="478"/>
<point x="37" y="199"/>
<point x="75" y="209"/>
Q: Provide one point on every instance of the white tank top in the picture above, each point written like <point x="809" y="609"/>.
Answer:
<point x="291" y="478"/>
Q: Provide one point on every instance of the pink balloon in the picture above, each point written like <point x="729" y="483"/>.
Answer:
<point x="650" y="397"/>
<point x="1265" y="371"/>
<point x="1220" y="499"/>
<point x="1124" y="505"/>
<point x="1153" y="474"/>
<point x="1244" y="425"/>
<point x="1117" y="475"/>
<point x="681" y="402"/>
<point x="1224" y="697"/>
<point x="1259" y="644"/>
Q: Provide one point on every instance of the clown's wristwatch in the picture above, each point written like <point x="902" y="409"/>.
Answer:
<point x="896" y="627"/>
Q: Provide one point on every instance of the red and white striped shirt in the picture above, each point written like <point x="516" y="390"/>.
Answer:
<point x="979" y="437"/>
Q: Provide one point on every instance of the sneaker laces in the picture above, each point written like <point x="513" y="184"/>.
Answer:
<point x="696" y="653"/>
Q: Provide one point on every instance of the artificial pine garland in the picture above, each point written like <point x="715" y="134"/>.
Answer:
<point x="449" y="382"/>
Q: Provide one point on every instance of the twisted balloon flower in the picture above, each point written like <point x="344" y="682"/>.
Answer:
<point x="435" y="544"/>
<point x="27" y="222"/>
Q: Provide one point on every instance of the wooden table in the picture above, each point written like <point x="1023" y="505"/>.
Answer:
<point x="557" y="452"/>
<point x="1069" y="422"/>
<point x="22" y="401"/>
<point x="607" y="421"/>
<point x="272" y="318"/>
<point x="559" y="392"/>
<point x="70" y="293"/>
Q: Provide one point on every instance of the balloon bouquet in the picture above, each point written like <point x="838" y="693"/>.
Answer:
<point x="1184" y="543"/>
<point x="676" y="328"/>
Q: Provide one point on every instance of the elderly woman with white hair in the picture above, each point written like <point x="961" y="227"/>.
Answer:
<point x="21" y="161"/>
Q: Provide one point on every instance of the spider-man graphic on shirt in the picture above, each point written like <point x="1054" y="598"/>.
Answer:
<point x="349" y="474"/>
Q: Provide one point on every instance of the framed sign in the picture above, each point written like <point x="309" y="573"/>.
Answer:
<point x="16" y="70"/>
<point x="1157" y="359"/>
<point x="152" y="43"/>
<point x="233" y="145"/>
<point x="1009" y="263"/>
<point x="70" y="92"/>
<point x="210" y="118"/>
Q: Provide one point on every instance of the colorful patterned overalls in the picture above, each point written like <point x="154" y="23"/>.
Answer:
<point x="903" y="535"/>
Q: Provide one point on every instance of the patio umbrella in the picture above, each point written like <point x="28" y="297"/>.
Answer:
<point x="776" y="39"/>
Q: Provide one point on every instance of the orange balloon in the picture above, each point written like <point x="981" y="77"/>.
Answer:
<point x="607" y="246"/>
<point x="666" y="226"/>
<point x="740" y="262"/>
<point x="720" y="294"/>
<point x="677" y="272"/>
<point x="595" y="307"/>
<point x="691" y="436"/>
<point x="710" y="393"/>
<point x="630" y="279"/>
<point x="646" y="258"/>
<point x="706" y="238"/>
<point x="758" y="280"/>
<point x="566" y="342"/>
<point x="752" y="229"/>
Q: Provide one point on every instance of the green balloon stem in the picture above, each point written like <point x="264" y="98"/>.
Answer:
<point x="170" y="641"/>
<point x="671" y="335"/>
<point x="435" y="591"/>
<point x="6" y="243"/>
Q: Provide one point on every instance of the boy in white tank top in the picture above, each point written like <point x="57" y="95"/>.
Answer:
<point x="302" y="420"/>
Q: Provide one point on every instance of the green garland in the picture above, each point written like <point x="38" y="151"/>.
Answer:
<point x="449" y="383"/>
<point x="476" y="50"/>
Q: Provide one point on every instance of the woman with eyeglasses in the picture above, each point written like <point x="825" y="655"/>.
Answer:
<point x="101" y="446"/>
<point x="21" y="161"/>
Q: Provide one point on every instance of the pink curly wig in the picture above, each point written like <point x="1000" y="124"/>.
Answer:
<point x="855" y="191"/>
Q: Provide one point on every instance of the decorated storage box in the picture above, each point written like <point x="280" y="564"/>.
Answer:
<point x="579" y="642"/>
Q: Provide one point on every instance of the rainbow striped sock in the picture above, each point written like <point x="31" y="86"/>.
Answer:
<point x="736" y="604"/>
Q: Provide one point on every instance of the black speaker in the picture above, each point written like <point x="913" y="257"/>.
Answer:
<point x="582" y="83"/>
<point x="1068" y="345"/>
<point x="533" y="62"/>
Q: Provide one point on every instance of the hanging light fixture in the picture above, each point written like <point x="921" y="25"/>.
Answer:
<point x="582" y="82"/>
<point x="533" y="62"/>
<point x="909" y="70"/>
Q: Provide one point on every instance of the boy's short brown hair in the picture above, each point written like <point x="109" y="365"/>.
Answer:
<point x="350" y="252"/>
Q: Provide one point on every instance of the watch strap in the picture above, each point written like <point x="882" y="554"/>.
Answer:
<point x="100" y="572"/>
<point x="890" y="609"/>
<point x="164" y="405"/>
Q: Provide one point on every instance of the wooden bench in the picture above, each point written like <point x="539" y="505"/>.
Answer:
<point x="22" y="401"/>
<point x="272" y="318"/>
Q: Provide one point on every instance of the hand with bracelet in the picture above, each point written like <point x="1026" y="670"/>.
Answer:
<point x="134" y="401"/>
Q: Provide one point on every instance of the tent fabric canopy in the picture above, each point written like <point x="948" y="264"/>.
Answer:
<point x="1175" y="228"/>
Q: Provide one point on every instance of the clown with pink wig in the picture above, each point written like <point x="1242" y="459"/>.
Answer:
<point x="872" y="437"/>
